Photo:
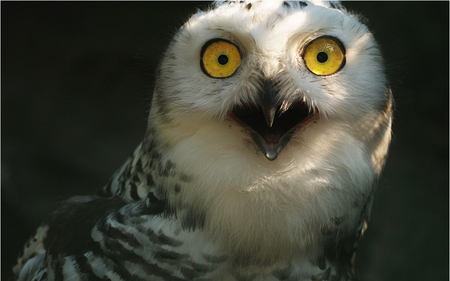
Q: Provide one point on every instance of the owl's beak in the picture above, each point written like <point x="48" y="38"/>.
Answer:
<point x="271" y="122"/>
<point x="268" y="101"/>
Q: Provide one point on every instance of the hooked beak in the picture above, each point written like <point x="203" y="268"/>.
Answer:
<point x="268" y="101"/>
<point x="270" y="125"/>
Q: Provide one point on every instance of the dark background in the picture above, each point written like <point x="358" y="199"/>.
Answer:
<point x="76" y="83"/>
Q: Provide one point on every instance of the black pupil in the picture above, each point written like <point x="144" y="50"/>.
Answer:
<point x="322" y="57"/>
<point x="223" y="59"/>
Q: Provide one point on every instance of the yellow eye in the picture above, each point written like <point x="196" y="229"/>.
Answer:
<point x="220" y="58"/>
<point x="324" y="56"/>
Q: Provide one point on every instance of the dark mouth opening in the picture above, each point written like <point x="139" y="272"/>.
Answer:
<point x="253" y="117"/>
<point x="286" y="122"/>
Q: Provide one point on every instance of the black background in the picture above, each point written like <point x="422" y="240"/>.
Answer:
<point x="76" y="85"/>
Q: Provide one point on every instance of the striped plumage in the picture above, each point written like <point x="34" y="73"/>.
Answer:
<point x="207" y="198"/>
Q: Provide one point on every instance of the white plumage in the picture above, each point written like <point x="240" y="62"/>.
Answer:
<point x="253" y="167"/>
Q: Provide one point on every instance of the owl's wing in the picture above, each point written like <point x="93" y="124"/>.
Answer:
<point x="35" y="269"/>
<point x="32" y="255"/>
<point x="62" y="245"/>
<point x="341" y="251"/>
<point x="362" y="227"/>
<point x="94" y="238"/>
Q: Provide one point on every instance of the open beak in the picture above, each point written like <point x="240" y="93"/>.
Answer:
<point x="271" y="123"/>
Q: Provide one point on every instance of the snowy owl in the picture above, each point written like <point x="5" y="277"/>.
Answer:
<point x="269" y="126"/>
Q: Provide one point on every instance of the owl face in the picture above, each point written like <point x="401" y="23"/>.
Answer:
<point x="271" y="71"/>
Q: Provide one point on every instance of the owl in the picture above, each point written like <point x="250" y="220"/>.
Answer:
<point x="269" y="126"/>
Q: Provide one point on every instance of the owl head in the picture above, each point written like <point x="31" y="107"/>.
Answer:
<point x="270" y="77"/>
<point x="270" y="89"/>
